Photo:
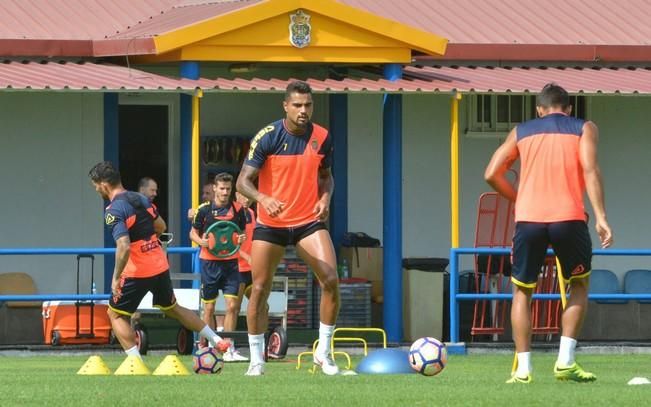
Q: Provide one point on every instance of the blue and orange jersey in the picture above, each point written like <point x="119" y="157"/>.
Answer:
<point x="551" y="182"/>
<point x="209" y="213"/>
<point x="246" y="246"/>
<point x="289" y="168"/>
<point x="131" y="214"/>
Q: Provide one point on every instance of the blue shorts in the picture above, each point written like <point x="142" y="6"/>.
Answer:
<point x="219" y="275"/>
<point x="132" y="290"/>
<point x="286" y="236"/>
<point x="570" y="241"/>
<point x="246" y="278"/>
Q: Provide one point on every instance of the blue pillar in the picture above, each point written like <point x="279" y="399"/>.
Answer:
<point x="392" y="208"/>
<point x="339" y="131"/>
<point x="112" y="154"/>
<point x="189" y="70"/>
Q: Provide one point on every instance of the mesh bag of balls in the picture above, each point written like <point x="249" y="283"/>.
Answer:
<point x="428" y="356"/>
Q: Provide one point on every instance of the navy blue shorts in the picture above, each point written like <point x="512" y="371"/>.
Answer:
<point x="132" y="290"/>
<point x="570" y="241"/>
<point x="219" y="275"/>
<point x="286" y="236"/>
<point x="246" y="278"/>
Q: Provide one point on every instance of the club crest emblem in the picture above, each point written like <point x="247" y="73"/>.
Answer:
<point x="299" y="29"/>
<point x="314" y="144"/>
<point x="109" y="219"/>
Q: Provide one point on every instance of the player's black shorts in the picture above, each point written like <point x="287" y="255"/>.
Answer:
<point x="132" y="290"/>
<point x="570" y="241"/>
<point x="219" y="275"/>
<point x="246" y="278"/>
<point x="286" y="236"/>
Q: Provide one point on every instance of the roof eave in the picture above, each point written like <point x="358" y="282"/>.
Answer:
<point x="45" y="48"/>
<point x="124" y="47"/>
<point x="543" y="52"/>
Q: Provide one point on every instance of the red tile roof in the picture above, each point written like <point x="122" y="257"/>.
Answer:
<point x="588" y="30"/>
<point x="87" y="76"/>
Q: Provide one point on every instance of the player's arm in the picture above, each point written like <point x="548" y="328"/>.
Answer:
<point x="197" y="226"/>
<point x="326" y="187"/>
<point x="159" y="226"/>
<point x="122" y="253"/>
<point x="593" y="181"/>
<point x="499" y="165"/>
<point x="246" y="186"/>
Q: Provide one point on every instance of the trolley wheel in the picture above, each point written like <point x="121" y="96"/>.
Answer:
<point x="184" y="341"/>
<point x="277" y="343"/>
<point x="142" y="339"/>
<point x="56" y="338"/>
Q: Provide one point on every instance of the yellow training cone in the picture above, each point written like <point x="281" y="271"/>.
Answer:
<point x="171" y="366"/>
<point x="132" y="365"/>
<point x="94" y="366"/>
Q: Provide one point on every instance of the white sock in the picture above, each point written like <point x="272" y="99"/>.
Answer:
<point x="325" y="335"/>
<point x="256" y="345"/>
<point x="133" y="351"/>
<point x="524" y="364"/>
<point x="220" y="329"/>
<point x="209" y="334"/>
<point x="566" y="351"/>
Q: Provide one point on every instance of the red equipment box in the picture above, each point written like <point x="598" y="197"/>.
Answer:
<point x="69" y="322"/>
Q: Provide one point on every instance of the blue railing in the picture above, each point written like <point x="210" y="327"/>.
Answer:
<point x="69" y="251"/>
<point x="455" y="296"/>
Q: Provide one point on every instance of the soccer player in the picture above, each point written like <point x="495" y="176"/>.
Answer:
<point x="291" y="159"/>
<point x="140" y="263"/>
<point x="218" y="273"/>
<point x="558" y="160"/>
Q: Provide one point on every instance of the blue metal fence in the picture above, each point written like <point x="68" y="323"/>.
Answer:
<point x="71" y="251"/>
<point x="455" y="296"/>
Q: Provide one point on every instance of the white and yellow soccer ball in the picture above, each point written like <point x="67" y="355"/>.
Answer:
<point x="428" y="356"/>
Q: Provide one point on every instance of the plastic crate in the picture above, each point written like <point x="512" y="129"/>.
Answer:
<point x="300" y="298"/>
<point x="355" y="308"/>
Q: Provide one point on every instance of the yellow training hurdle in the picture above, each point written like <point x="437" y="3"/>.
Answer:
<point x="342" y="339"/>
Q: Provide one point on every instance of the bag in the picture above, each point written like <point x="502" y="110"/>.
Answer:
<point x="359" y="239"/>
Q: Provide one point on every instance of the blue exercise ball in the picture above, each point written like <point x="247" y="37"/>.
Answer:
<point x="385" y="361"/>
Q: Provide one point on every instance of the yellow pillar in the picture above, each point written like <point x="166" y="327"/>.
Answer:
<point x="454" y="170"/>
<point x="195" y="147"/>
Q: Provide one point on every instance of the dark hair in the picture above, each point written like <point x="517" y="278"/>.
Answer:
<point x="144" y="181"/>
<point x="297" y="87"/>
<point x="223" y="177"/>
<point x="553" y="95"/>
<point x="105" y="172"/>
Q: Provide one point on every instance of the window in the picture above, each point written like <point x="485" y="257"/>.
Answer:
<point x="495" y="115"/>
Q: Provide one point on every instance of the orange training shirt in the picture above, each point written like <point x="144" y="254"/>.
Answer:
<point x="551" y="185"/>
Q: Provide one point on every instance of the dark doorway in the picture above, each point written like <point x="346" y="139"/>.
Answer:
<point x="143" y="135"/>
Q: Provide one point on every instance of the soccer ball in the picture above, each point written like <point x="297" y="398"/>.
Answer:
<point x="428" y="356"/>
<point x="207" y="361"/>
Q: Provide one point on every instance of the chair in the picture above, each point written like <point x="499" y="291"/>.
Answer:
<point x="20" y="321"/>
<point x="605" y="282"/>
<point x="638" y="281"/>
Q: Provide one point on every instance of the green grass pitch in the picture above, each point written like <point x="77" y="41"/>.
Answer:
<point x="476" y="380"/>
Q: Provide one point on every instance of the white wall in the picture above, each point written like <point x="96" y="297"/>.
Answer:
<point x="49" y="141"/>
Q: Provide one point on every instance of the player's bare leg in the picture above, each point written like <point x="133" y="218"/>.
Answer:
<point x="318" y="252"/>
<point x="121" y="326"/>
<point x="566" y="367"/>
<point x="265" y="257"/>
<point x="191" y="321"/>
<point x="521" y="326"/>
